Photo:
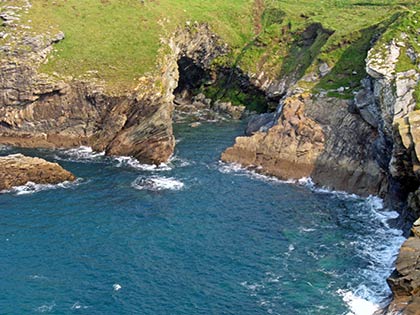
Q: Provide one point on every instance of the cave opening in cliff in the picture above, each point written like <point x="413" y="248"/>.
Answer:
<point x="191" y="77"/>
<point x="199" y="88"/>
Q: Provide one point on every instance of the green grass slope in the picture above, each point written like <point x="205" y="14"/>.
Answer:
<point x="118" y="40"/>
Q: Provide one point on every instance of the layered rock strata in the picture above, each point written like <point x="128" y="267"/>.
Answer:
<point x="17" y="170"/>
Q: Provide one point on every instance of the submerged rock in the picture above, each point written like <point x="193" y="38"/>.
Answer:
<point x="17" y="170"/>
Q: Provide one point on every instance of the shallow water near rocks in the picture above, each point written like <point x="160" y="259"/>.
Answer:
<point x="194" y="236"/>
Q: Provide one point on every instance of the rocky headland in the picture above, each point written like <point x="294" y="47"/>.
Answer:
<point x="17" y="170"/>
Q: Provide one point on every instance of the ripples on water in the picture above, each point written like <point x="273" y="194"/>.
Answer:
<point x="193" y="236"/>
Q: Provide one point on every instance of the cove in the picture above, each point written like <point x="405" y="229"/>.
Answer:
<point x="194" y="236"/>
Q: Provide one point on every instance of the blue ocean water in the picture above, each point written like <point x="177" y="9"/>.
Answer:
<point x="195" y="236"/>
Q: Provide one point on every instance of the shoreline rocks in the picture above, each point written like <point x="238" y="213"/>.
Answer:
<point x="17" y="170"/>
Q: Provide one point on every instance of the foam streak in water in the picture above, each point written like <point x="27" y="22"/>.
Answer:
<point x="237" y="169"/>
<point x="80" y="154"/>
<point x="127" y="161"/>
<point x="30" y="187"/>
<point x="157" y="183"/>
<point x="380" y="250"/>
<point x="379" y="247"/>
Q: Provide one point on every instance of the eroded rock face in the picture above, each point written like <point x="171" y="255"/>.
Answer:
<point x="17" y="170"/>
<point x="199" y="108"/>
<point x="286" y="150"/>
<point x="47" y="113"/>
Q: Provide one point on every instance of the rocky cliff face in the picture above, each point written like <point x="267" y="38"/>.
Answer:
<point x="37" y="110"/>
<point x="394" y="93"/>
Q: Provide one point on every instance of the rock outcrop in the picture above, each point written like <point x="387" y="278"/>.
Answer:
<point x="17" y="170"/>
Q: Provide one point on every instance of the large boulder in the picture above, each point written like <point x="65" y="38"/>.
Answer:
<point x="17" y="170"/>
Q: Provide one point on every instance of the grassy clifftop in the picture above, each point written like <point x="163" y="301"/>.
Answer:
<point x="118" y="40"/>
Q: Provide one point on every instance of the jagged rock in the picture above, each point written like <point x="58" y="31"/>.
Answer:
<point x="235" y="112"/>
<point x="381" y="64"/>
<point x="285" y="150"/>
<point x="366" y="106"/>
<point x="416" y="228"/>
<point x="58" y="37"/>
<point x="195" y="124"/>
<point x="412" y="55"/>
<point x="405" y="83"/>
<point x="324" y="69"/>
<point x="17" y="170"/>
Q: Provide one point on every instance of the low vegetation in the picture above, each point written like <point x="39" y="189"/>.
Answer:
<point x="118" y="40"/>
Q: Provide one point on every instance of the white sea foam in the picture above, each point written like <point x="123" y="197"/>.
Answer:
<point x="309" y="183"/>
<point x="252" y="286"/>
<point x="177" y="161"/>
<point x="45" y="308"/>
<point x="37" y="277"/>
<point x="30" y="187"/>
<point x="127" y="161"/>
<point x="4" y="148"/>
<point x="237" y="169"/>
<point x="157" y="183"/>
<point x="80" y="154"/>
<point x="380" y="248"/>
<point x="358" y="305"/>
<point x="78" y="306"/>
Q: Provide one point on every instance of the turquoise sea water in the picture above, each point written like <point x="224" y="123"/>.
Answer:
<point x="193" y="237"/>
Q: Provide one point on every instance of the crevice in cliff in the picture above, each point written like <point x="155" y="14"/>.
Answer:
<point x="303" y="51"/>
